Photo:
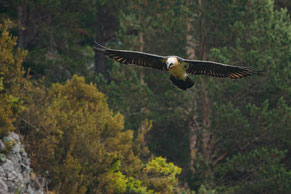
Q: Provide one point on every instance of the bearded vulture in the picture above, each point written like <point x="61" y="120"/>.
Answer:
<point x="178" y="67"/>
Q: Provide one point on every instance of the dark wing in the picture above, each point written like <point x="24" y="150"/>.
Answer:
<point x="134" y="57"/>
<point x="198" y="67"/>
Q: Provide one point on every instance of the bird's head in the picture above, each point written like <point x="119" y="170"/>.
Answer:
<point x="171" y="61"/>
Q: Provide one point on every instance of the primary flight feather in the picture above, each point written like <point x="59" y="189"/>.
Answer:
<point x="177" y="66"/>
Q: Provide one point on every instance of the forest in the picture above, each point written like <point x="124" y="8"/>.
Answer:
<point x="92" y="125"/>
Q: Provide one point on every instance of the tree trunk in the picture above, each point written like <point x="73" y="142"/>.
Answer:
<point x="193" y="124"/>
<point x="206" y="123"/>
<point x="190" y="40"/>
<point x="199" y="144"/>
<point x="206" y="134"/>
<point x="193" y="136"/>
<point x="106" y="23"/>
<point x="22" y="16"/>
<point x="29" y="20"/>
<point x="100" y="28"/>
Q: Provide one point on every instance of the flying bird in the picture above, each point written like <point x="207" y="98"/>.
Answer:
<point x="178" y="67"/>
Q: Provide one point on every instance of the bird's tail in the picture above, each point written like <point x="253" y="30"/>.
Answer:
<point x="99" y="47"/>
<point x="182" y="84"/>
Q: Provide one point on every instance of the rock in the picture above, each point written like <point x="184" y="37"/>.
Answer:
<point x="3" y="187"/>
<point x="15" y="171"/>
<point x="2" y="145"/>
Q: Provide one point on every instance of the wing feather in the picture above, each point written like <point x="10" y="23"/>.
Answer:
<point x="199" y="67"/>
<point x="135" y="57"/>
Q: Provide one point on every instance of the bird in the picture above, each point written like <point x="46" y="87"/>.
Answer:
<point x="179" y="68"/>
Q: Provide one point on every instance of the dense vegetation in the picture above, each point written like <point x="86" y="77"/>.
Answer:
<point x="91" y="125"/>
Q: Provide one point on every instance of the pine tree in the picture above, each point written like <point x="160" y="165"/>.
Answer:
<point x="11" y="79"/>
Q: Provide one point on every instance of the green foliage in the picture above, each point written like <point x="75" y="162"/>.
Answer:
<point x="161" y="175"/>
<point x="82" y="143"/>
<point x="250" y="114"/>
<point x="140" y="143"/>
<point x="261" y="40"/>
<point x="262" y="124"/>
<point x="11" y="80"/>
<point x="273" y="120"/>
<point x="159" y="165"/>
<point x="252" y="34"/>
<point x="72" y="134"/>
<point x="123" y="89"/>
<point x="135" y="186"/>
<point x="256" y="172"/>
<point x="205" y="190"/>
<point x="58" y="44"/>
<point x="115" y="182"/>
<point x="80" y="136"/>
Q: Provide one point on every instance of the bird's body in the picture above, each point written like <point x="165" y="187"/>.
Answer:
<point x="178" y="71"/>
<point x="178" y="67"/>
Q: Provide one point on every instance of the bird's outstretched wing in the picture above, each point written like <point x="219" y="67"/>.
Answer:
<point x="198" y="67"/>
<point x="134" y="57"/>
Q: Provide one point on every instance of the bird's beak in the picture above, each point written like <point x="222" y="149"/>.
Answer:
<point x="169" y="65"/>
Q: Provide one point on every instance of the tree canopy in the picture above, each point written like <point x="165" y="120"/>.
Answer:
<point x="92" y="125"/>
